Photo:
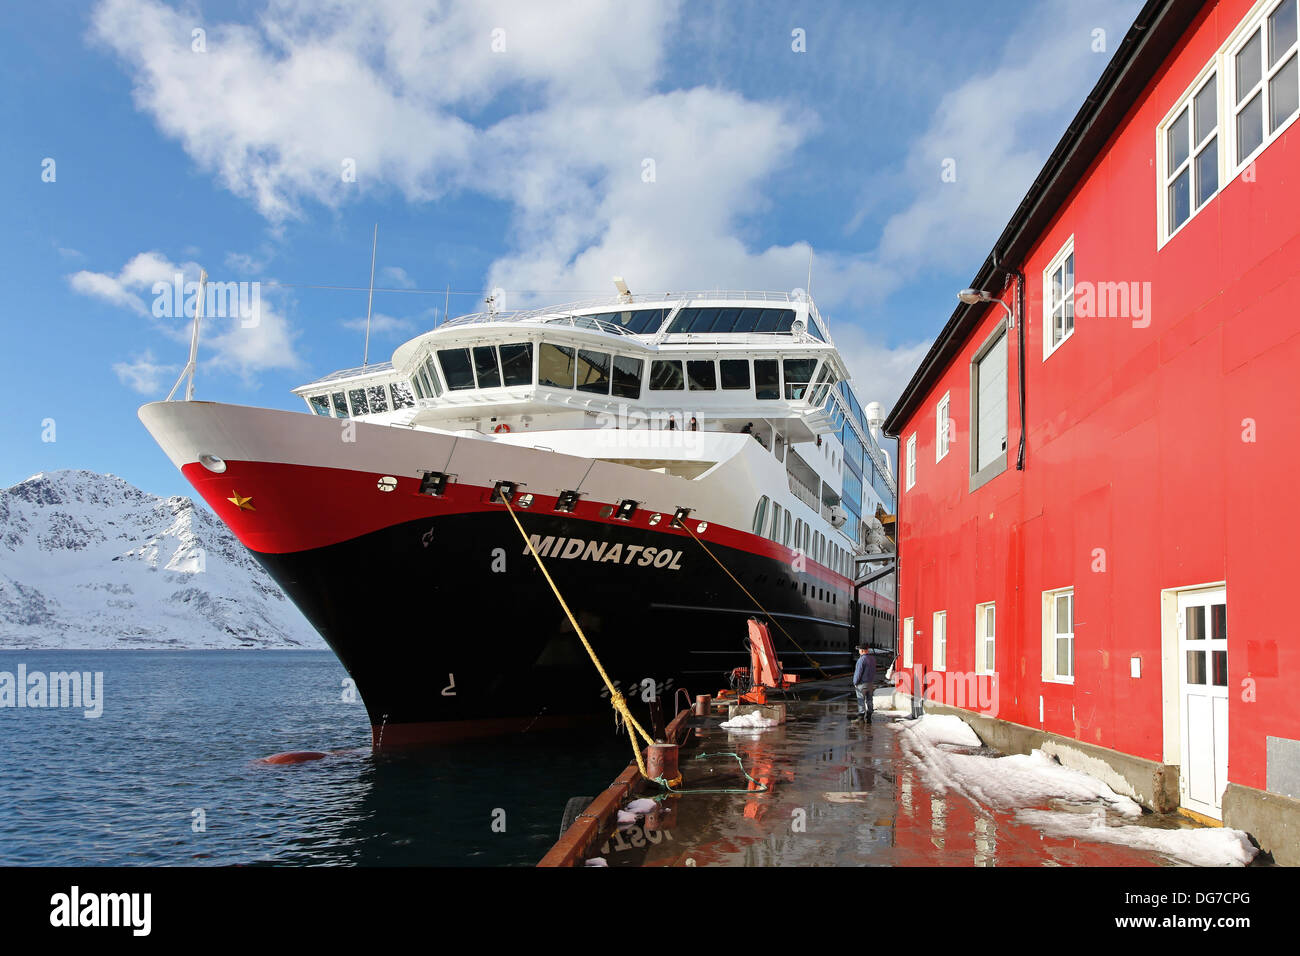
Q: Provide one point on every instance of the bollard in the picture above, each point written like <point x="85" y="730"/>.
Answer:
<point x="702" y="705"/>
<point x="661" y="761"/>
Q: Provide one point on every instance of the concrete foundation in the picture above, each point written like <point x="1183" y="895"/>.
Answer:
<point x="1272" y="819"/>
<point x="1150" y="783"/>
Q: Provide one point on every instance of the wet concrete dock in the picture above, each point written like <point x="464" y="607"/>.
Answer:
<point x="823" y="790"/>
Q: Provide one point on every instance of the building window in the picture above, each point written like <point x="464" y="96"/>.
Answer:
<point x="911" y="461"/>
<point x="985" y="638"/>
<point x="942" y="429"/>
<point x="1058" y="635"/>
<point x="907" y="642"/>
<point x="988" y="412"/>
<point x="1058" y="299"/>
<point x="1265" y="82"/>
<point x="939" y="641"/>
<point x="1190" y="153"/>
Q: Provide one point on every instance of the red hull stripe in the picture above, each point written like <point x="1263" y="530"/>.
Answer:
<point x="290" y="508"/>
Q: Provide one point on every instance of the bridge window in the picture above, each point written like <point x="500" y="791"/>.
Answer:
<point x="457" y="368"/>
<point x="340" y="403"/>
<point x="732" y="321"/>
<point x="703" y="375"/>
<point x="320" y="404"/>
<point x="416" y="380"/>
<point x="432" y="385"/>
<point x="517" y="363"/>
<point x="798" y="373"/>
<point x="637" y="321"/>
<point x="357" y="397"/>
<point x="378" y="397"/>
<point x="402" y="397"/>
<point x="666" y="376"/>
<point x="486" y="368"/>
<point x="593" y="372"/>
<point x="627" y="376"/>
<point x="767" y="379"/>
<point x="735" y="373"/>
<point x="555" y="366"/>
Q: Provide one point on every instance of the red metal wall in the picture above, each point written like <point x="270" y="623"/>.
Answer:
<point x="1135" y="446"/>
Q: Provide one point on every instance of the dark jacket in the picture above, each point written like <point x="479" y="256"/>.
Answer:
<point x="865" y="672"/>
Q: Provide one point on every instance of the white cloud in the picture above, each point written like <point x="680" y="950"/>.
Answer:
<point x="143" y="374"/>
<point x="396" y="276"/>
<point x="242" y="345"/>
<point x="381" y="325"/>
<point x="127" y="287"/>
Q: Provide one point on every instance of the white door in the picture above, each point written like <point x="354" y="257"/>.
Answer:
<point x="1203" y="699"/>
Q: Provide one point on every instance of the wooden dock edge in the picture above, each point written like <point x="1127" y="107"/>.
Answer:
<point x="577" y="842"/>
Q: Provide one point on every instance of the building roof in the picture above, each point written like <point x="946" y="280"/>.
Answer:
<point x="1156" y="31"/>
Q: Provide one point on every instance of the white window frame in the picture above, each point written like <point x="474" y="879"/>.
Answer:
<point x="1256" y="20"/>
<point x="939" y="642"/>
<point x="911" y="463"/>
<point x="942" y="416"/>
<point x="983" y="640"/>
<point x="1051" y="668"/>
<point x="1223" y="65"/>
<point x="909" y="632"/>
<point x="1165" y="176"/>
<point x="1049" y="306"/>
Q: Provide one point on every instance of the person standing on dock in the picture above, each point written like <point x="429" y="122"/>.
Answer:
<point x="864" y="682"/>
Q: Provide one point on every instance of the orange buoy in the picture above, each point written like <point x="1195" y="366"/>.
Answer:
<point x="294" y="756"/>
<point x="502" y="428"/>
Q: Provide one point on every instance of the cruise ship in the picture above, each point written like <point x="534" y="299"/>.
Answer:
<point x="679" y="462"/>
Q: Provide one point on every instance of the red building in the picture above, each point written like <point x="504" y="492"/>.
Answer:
<point x="1099" y="494"/>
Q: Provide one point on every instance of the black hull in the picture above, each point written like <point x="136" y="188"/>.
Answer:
<point x="448" y="627"/>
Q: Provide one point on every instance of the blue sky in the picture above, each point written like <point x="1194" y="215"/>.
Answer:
<point x="497" y="144"/>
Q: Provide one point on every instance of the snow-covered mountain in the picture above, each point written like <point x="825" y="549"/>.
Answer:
<point x="91" y="561"/>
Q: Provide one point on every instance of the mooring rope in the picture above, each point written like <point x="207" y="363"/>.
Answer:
<point x="616" y="699"/>
<point x="765" y="611"/>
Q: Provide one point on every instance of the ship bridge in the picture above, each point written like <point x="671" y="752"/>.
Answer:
<point x="757" y="362"/>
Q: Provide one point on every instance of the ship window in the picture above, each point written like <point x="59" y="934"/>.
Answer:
<point x="703" y="375"/>
<point x="735" y="373"/>
<point x="776" y="523"/>
<point x="666" y="376"/>
<point x="555" y="366"/>
<point x="402" y="397"/>
<point x="705" y="320"/>
<point x="340" y="405"/>
<point x="785" y="534"/>
<point x="456" y="366"/>
<point x="684" y="320"/>
<point x="378" y="398"/>
<point x="767" y="378"/>
<point x="517" y="363"/>
<point x="727" y="320"/>
<point x="593" y="372"/>
<point x="357" y="398"/>
<point x="798" y="373"/>
<point x="486" y="368"/>
<point x="627" y="376"/>
<point x="320" y="404"/>
<point x="416" y="380"/>
<point x="431" y="376"/>
<point x="760" y="514"/>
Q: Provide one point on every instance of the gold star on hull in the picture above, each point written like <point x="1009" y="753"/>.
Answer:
<point x="242" y="503"/>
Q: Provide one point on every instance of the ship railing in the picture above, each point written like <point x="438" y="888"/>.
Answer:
<point x="617" y="303"/>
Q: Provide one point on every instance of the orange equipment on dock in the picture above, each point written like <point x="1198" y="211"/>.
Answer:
<point x="764" y="669"/>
